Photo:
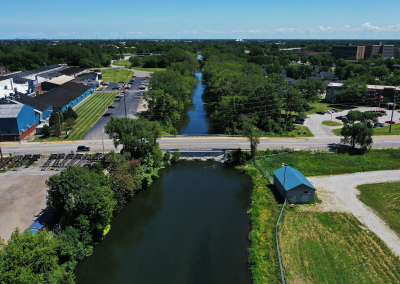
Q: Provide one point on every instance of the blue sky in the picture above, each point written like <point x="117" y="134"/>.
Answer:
<point x="156" y="19"/>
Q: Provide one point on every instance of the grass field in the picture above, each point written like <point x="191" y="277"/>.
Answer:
<point x="331" y="123"/>
<point x="384" y="198"/>
<point x="334" y="248"/>
<point x="125" y="63"/>
<point x="148" y="69"/>
<point x="378" y="131"/>
<point x="326" y="163"/>
<point x="88" y="112"/>
<point x="116" y="75"/>
<point x="324" y="106"/>
<point x="295" y="132"/>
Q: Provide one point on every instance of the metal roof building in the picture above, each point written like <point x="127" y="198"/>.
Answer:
<point x="17" y="121"/>
<point x="293" y="185"/>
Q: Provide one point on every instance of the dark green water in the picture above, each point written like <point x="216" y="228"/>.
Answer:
<point x="191" y="226"/>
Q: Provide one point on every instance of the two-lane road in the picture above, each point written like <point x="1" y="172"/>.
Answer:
<point x="191" y="143"/>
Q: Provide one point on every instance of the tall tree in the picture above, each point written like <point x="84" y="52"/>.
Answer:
<point x="251" y="132"/>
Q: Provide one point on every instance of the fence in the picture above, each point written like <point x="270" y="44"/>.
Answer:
<point x="277" y="243"/>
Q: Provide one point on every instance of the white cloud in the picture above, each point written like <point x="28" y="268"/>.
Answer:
<point x="369" y="27"/>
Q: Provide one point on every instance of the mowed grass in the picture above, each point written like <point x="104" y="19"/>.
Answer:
<point x="378" y="131"/>
<point x="88" y="112"/>
<point x="384" y="198"/>
<point x="324" y="106"/>
<point x="116" y="75"/>
<point x="317" y="163"/>
<point x="301" y="128"/>
<point x="334" y="248"/>
<point x="331" y="123"/>
<point x="125" y="63"/>
<point x="148" y="69"/>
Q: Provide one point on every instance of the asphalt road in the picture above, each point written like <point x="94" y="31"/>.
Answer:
<point x="195" y="144"/>
<point x="132" y="103"/>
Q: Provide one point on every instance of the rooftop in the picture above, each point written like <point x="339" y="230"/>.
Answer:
<point x="61" y="79"/>
<point x="292" y="178"/>
<point x="10" y="110"/>
<point x="71" y="71"/>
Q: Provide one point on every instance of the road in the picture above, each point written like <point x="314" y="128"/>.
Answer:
<point x="313" y="122"/>
<point x="132" y="102"/>
<point x="191" y="143"/>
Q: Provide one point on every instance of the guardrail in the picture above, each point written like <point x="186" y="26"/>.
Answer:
<point x="277" y="243"/>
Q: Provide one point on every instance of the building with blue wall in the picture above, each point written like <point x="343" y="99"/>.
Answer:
<point x="17" y="121"/>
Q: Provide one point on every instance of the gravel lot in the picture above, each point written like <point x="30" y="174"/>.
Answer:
<point x="339" y="194"/>
<point x="22" y="195"/>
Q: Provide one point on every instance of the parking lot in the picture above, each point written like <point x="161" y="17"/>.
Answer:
<point x="313" y="122"/>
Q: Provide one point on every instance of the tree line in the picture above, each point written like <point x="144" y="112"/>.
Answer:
<point x="85" y="200"/>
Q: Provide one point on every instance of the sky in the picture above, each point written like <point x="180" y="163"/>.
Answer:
<point x="206" y="19"/>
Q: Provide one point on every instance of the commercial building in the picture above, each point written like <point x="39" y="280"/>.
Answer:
<point x="347" y="51"/>
<point x="17" y="121"/>
<point x="55" y="82"/>
<point x="373" y="96"/>
<point x="386" y="51"/>
<point x="293" y="185"/>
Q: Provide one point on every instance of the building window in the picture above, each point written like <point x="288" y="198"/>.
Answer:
<point x="305" y="192"/>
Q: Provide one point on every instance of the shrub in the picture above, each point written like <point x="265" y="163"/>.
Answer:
<point x="175" y="157"/>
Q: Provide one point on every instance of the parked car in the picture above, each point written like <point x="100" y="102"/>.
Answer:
<point x="106" y="83"/>
<point x="117" y="100"/>
<point x="328" y="111"/>
<point x="118" y="97"/>
<point x="339" y="117"/>
<point x="133" y="76"/>
<point x="390" y="122"/>
<point x="299" y="122"/>
<point x="107" y="114"/>
<point x="320" y="112"/>
<point x="142" y="87"/>
<point x="83" y="148"/>
<point x="378" y="115"/>
<point x="382" y="111"/>
<point x="334" y="110"/>
<point x="380" y="125"/>
<point x="111" y="106"/>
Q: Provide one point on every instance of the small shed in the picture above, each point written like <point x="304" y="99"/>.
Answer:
<point x="293" y="185"/>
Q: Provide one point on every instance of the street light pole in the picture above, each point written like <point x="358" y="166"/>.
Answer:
<point x="125" y="106"/>
<point x="280" y="109"/>
<point x="393" y="106"/>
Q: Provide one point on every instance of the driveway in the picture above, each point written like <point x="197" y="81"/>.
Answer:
<point x="313" y="122"/>
<point x="339" y="194"/>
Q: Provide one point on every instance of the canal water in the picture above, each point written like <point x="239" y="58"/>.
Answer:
<point x="191" y="226"/>
<point x="197" y="119"/>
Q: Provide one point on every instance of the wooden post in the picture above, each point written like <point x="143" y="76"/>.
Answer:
<point x="2" y="160"/>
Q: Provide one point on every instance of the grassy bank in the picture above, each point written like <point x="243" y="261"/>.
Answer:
<point x="124" y="63"/>
<point x="331" y="123"/>
<point x="264" y="214"/>
<point x="88" y="112"/>
<point x="116" y="75"/>
<point x="384" y="199"/>
<point x="334" y="248"/>
<point x="326" y="163"/>
<point x="302" y="128"/>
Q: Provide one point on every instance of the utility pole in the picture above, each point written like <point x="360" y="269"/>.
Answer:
<point x="393" y="107"/>
<point x="280" y="109"/>
<point x="2" y="160"/>
<point x="59" y="120"/>
<point x="102" y="140"/>
<point x="125" y="106"/>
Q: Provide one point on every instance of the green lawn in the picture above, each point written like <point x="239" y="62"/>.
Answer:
<point x="88" y="112"/>
<point x="148" y="69"/>
<point x="116" y="75"/>
<point x="331" y="123"/>
<point x="334" y="248"/>
<point x="302" y="128"/>
<point x="384" y="198"/>
<point x="324" y="106"/>
<point x="319" y="163"/>
<point x="125" y="63"/>
<point x="378" y="131"/>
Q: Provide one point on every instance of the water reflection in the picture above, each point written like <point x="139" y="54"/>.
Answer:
<point x="191" y="226"/>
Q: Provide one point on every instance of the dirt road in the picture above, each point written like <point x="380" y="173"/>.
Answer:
<point x="339" y="194"/>
<point x="22" y="195"/>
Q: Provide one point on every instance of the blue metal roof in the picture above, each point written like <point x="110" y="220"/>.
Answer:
<point x="293" y="178"/>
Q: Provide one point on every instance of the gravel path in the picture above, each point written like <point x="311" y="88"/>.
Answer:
<point x="339" y="194"/>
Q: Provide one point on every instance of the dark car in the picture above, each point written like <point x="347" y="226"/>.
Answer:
<point x="117" y="100"/>
<point x="340" y="117"/>
<point x="382" y="111"/>
<point x="378" y="115"/>
<point x="107" y="114"/>
<point x="111" y="106"/>
<point x="83" y="148"/>
<point x="299" y="122"/>
<point x="116" y="87"/>
<point x="380" y="125"/>
<point x="335" y="110"/>
<point x="320" y="112"/>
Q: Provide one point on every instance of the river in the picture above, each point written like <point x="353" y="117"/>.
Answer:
<point x="191" y="226"/>
<point x="196" y="119"/>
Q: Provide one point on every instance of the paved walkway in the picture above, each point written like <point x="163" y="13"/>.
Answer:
<point x="339" y="194"/>
<point x="313" y="122"/>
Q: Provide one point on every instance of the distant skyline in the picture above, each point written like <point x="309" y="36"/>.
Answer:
<point x="156" y="19"/>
